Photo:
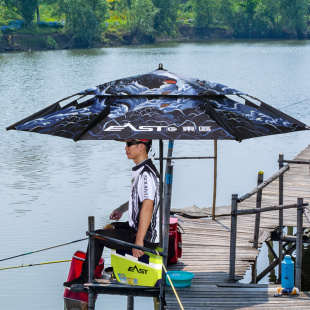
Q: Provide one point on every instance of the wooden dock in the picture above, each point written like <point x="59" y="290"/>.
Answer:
<point x="206" y="251"/>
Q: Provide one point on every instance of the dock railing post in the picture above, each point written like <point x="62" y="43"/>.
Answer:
<point x="91" y="262"/>
<point x="233" y="238"/>
<point x="130" y="302"/>
<point x="299" y="243"/>
<point x="280" y="255"/>
<point x="260" y="179"/>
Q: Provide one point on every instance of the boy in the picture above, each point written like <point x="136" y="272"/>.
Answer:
<point x="142" y="227"/>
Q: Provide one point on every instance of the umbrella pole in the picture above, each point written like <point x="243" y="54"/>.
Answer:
<point x="215" y="179"/>
<point x="166" y="214"/>
<point x="91" y="262"/>
<point x="161" y="166"/>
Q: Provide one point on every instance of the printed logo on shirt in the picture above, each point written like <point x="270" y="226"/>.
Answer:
<point x="145" y="187"/>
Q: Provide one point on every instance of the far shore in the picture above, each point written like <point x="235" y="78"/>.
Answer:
<point x="54" y="41"/>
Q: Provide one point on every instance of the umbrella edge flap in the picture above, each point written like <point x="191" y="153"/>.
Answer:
<point x="46" y="111"/>
<point x="271" y="110"/>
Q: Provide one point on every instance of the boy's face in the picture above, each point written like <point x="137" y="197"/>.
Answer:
<point x="135" y="151"/>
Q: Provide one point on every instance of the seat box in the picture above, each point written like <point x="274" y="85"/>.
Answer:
<point x="175" y="241"/>
<point x="143" y="271"/>
<point x="75" y="270"/>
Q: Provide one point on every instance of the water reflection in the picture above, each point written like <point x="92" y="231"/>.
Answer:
<point x="87" y="52"/>
<point x="272" y="275"/>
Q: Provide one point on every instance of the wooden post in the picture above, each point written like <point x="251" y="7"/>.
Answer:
<point x="130" y="302"/>
<point x="260" y="179"/>
<point x="214" y="180"/>
<point x="281" y="201"/>
<point x="91" y="263"/>
<point x="166" y="213"/>
<point x="233" y="238"/>
<point x="299" y="244"/>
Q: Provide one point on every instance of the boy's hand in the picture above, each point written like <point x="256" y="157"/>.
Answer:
<point x="116" y="215"/>
<point x="136" y="252"/>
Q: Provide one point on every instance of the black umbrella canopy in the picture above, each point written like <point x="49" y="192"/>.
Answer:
<point x="159" y="105"/>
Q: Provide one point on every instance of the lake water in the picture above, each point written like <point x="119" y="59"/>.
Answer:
<point x="49" y="185"/>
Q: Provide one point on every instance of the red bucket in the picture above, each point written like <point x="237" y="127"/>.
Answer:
<point x="74" y="272"/>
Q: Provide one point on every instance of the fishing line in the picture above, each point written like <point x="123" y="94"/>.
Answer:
<point x="30" y="265"/>
<point x="295" y="103"/>
<point x="52" y="247"/>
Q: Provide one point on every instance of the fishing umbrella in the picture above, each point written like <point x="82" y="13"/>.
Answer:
<point x="160" y="105"/>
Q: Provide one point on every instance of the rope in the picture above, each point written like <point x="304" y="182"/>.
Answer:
<point x="174" y="291"/>
<point x="30" y="265"/>
<point x="52" y="247"/>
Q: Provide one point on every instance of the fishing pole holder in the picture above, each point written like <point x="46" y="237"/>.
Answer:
<point x="131" y="245"/>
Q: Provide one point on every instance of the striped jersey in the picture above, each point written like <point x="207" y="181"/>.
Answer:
<point x="144" y="185"/>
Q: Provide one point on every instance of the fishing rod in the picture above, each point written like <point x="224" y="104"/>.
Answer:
<point x="52" y="247"/>
<point x="131" y="245"/>
<point x="295" y="103"/>
<point x="30" y="265"/>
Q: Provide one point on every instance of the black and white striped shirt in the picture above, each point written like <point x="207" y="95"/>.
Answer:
<point x="145" y="185"/>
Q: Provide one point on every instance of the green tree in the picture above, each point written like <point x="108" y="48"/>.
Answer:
<point x="166" y="18"/>
<point x="308" y="14"/>
<point x="84" y="19"/>
<point x="248" y="10"/>
<point x="203" y="11"/>
<point x="40" y="2"/>
<point x="240" y="16"/>
<point x="267" y="19"/>
<point x="123" y="5"/>
<point x="225" y="12"/>
<point x="140" y="18"/>
<point x="294" y="15"/>
<point x="25" y="8"/>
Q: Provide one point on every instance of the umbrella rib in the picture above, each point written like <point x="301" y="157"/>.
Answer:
<point x="103" y="114"/>
<point x="157" y="95"/>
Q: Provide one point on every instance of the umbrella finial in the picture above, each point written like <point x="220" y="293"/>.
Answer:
<point x="160" y="67"/>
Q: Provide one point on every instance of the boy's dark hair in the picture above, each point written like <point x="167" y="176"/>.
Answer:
<point x="148" y="144"/>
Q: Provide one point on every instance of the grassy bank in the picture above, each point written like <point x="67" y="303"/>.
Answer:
<point x="35" y="38"/>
